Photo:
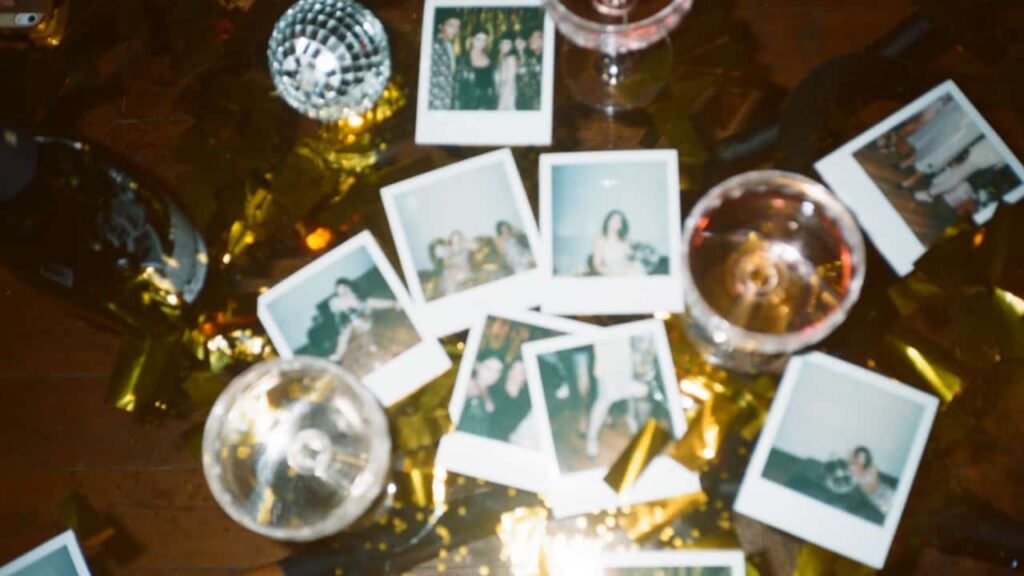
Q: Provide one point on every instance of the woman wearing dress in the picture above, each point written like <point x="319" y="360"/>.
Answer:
<point x="513" y="248"/>
<point x="613" y="250"/>
<point x="864" y="471"/>
<point x="475" y="89"/>
<point x="456" y="271"/>
<point x="506" y="72"/>
<point x="353" y="314"/>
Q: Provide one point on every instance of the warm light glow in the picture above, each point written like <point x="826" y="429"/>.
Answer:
<point x="355" y="121"/>
<point x="319" y="239"/>
<point x="571" y="555"/>
<point x="522" y="532"/>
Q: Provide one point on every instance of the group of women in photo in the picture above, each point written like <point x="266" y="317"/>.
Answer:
<point x="461" y="262"/>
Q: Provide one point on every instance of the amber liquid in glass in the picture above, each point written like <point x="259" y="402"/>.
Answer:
<point x="770" y="263"/>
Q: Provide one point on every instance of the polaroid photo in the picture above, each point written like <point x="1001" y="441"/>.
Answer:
<point x="920" y="170"/>
<point x="467" y="241"/>
<point x="60" y="555"/>
<point x="611" y="225"/>
<point x="591" y="393"/>
<point x="675" y="563"/>
<point x="487" y="73"/>
<point x="349" y="307"/>
<point x="837" y="456"/>
<point x="495" y="436"/>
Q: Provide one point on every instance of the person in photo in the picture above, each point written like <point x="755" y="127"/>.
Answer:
<point x="358" y="331"/>
<point x="506" y="72"/>
<point x="613" y="249"/>
<point x="475" y="87"/>
<point x="456" y="270"/>
<point x="865" y="473"/>
<point x="623" y="374"/>
<point x="598" y="396"/>
<point x="514" y="248"/>
<point x="443" y="61"/>
<point x="530" y="74"/>
<point x="497" y="401"/>
<point x="962" y="182"/>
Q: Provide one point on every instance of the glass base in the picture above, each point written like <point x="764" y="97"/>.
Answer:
<point x="732" y="358"/>
<point x="616" y="82"/>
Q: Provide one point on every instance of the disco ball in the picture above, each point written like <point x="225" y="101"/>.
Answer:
<point x="329" y="58"/>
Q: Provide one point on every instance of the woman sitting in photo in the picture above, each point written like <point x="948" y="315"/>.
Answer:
<point x="348" y="315"/>
<point x="512" y="246"/>
<point x="864" y="471"/>
<point x="613" y="249"/>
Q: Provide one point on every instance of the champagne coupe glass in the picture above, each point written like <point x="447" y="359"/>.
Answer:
<point x="296" y="449"/>
<point x="618" y="55"/>
<point x="772" y="263"/>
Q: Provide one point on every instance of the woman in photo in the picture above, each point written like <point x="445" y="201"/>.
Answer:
<point x="506" y="72"/>
<point x="864" y="471"/>
<point x="456" y="269"/>
<point x="954" y="183"/>
<point x="348" y="313"/>
<point x="476" y="88"/>
<point x="512" y="246"/>
<point x="613" y="250"/>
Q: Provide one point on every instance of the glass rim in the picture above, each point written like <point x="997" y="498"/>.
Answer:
<point x="768" y="343"/>
<point x="668" y="17"/>
<point x="342" y="516"/>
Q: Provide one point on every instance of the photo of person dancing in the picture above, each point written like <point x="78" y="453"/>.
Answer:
<point x="598" y="396"/>
<point x="613" y="249"/>
<point x="497" y="401"/>
<point x="358" y="331"/>
<point x="937" y="167"/>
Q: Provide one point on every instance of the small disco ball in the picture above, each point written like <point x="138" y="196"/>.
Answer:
<point x="329" y="58"/>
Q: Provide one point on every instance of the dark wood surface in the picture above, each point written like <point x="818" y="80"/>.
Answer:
<point x="58" y="435"/>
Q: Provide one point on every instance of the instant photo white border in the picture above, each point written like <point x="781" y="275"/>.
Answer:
<point x="486" y="458"/>
<point x="734" y="560"/>
<point x="887" y="228"/>
<point x="65" y="540"/>
<point x="484" y="127"/>
<point x="456" y="312"/>
<point x="403" y="374"/>
<point x="815" y="521"/>
<point x="586" y="491"/>
<point x="612" y="294"/>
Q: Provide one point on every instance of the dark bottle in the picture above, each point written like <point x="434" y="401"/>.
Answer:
<point x="74" y="220"/>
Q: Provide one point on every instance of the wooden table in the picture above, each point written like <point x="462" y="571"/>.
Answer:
<point x="59" y="435"/>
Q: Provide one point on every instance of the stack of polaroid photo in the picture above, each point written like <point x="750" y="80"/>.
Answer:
<point x="541" y="402"/>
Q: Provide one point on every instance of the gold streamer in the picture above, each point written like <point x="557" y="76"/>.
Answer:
<point x="925" y="365"/>
<point x="814" y="561"/>
<point x="642" y="520"/>
<point x="648" y="443"/>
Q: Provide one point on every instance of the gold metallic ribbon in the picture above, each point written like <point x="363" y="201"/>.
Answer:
<point x="648" y="443"/>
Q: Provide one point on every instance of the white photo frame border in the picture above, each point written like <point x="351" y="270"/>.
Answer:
<point x="733" y="559"/>
<point x="883" y="223"/>
<point x="503" y="128"/>
<point x="810" y="519"/>
<point x="486" y="458"/>
<point x="610" y="294"/>
<point x="65" y="540"/>
<point x="403" y="374"/>
<point x="585" y="491"/>
<point x="456" y="312"/>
